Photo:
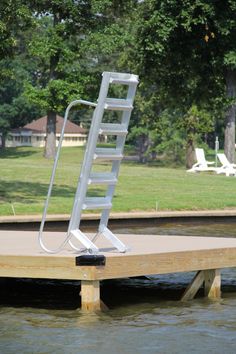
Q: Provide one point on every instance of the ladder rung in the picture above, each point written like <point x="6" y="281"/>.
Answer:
<point x="113" y="129"/>
<point x="107" y="154"/>
<point x="97" y="203"/>
<point x="125" y="79"/>
<point x="116" y="104"/>
<point x="102" y="178"/>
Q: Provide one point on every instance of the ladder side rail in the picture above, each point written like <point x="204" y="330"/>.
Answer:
<point x="126" y="117"/>
<point x="88" y="156"/>
<point x="116" y="164"/>
<point x="52" y="178"/>
<point x="115" y="170"/>
<point x="109" y="194"/>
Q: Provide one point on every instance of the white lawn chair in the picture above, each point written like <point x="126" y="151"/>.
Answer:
<point x="227" y="168"/>
<point x="202" y="164"/>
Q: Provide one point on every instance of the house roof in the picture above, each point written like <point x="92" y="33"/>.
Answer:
<point x="40" y="125"/>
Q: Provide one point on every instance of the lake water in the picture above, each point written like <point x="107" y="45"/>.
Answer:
<point x="145" y="315"/>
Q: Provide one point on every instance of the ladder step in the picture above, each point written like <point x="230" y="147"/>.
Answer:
<point x="113" y="129"/>
<point x="125" y="79"/>
<point x="116" y="104"/>
<point x="102" y="178"/>
<point x="107" y="154"/>
<point x="97" y="203"/>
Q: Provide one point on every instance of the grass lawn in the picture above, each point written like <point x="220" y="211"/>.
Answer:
<point x="25" y="177"/>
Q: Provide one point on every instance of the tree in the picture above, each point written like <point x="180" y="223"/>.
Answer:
<point x="139" y="137"/>
<point x="60" y="47"/>
<point x="14" y="106"/>
<point x="59" y="29"/>
<point x="15" y="17"/>
<point x="195" y="123"/>
<point x="186" y="52"/>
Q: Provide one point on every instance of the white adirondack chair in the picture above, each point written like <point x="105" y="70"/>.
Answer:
<point x="227" y="168"/>
<point x="202" y="164"/>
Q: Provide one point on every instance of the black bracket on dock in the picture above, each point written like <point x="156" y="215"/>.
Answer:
<point x="90" y="260"/>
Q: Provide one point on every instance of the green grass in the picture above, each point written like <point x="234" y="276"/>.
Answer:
<point x="25" y="177"/>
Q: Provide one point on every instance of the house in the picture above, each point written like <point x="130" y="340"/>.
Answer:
<point x="34" y="134"/>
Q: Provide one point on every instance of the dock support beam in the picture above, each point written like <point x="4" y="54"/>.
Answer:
<point x="90" y="295"/>
<point x="212" y="282"/>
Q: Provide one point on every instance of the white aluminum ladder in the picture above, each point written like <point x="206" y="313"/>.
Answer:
<point x="92" y="154"/>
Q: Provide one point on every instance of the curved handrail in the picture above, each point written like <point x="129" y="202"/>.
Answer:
<point x="40" y="236"/>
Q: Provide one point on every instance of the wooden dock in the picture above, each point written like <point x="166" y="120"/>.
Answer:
<point x="21" y="257"/>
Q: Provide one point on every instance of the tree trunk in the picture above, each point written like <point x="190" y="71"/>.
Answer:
<point x="3" y="141"/>
<point x="229" y="145"/>
<point x="143" y="144"/>
<point x="50" y="145"/>
<point x="190" y="154"/>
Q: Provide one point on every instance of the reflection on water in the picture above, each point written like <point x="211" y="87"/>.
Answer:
<point x="165" y="327"/>
<point x="195" y="228"/>
<point x="145" y="315"/>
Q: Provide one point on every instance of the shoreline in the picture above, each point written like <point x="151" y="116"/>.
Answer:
<point x="124" y="215"/>
<point x="55" y="221"/>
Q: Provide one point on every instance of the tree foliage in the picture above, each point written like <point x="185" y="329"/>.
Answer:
<point x="71" y="39"/>
<point x="15" y="18"/>
<point x="54" y="44"/>
<point x="184" y="53"/>
<point x="185" y="50"/>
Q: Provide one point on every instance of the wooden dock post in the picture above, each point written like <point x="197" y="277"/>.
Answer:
<point x="212" y="282"/>
<point x="90" y="295"/>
